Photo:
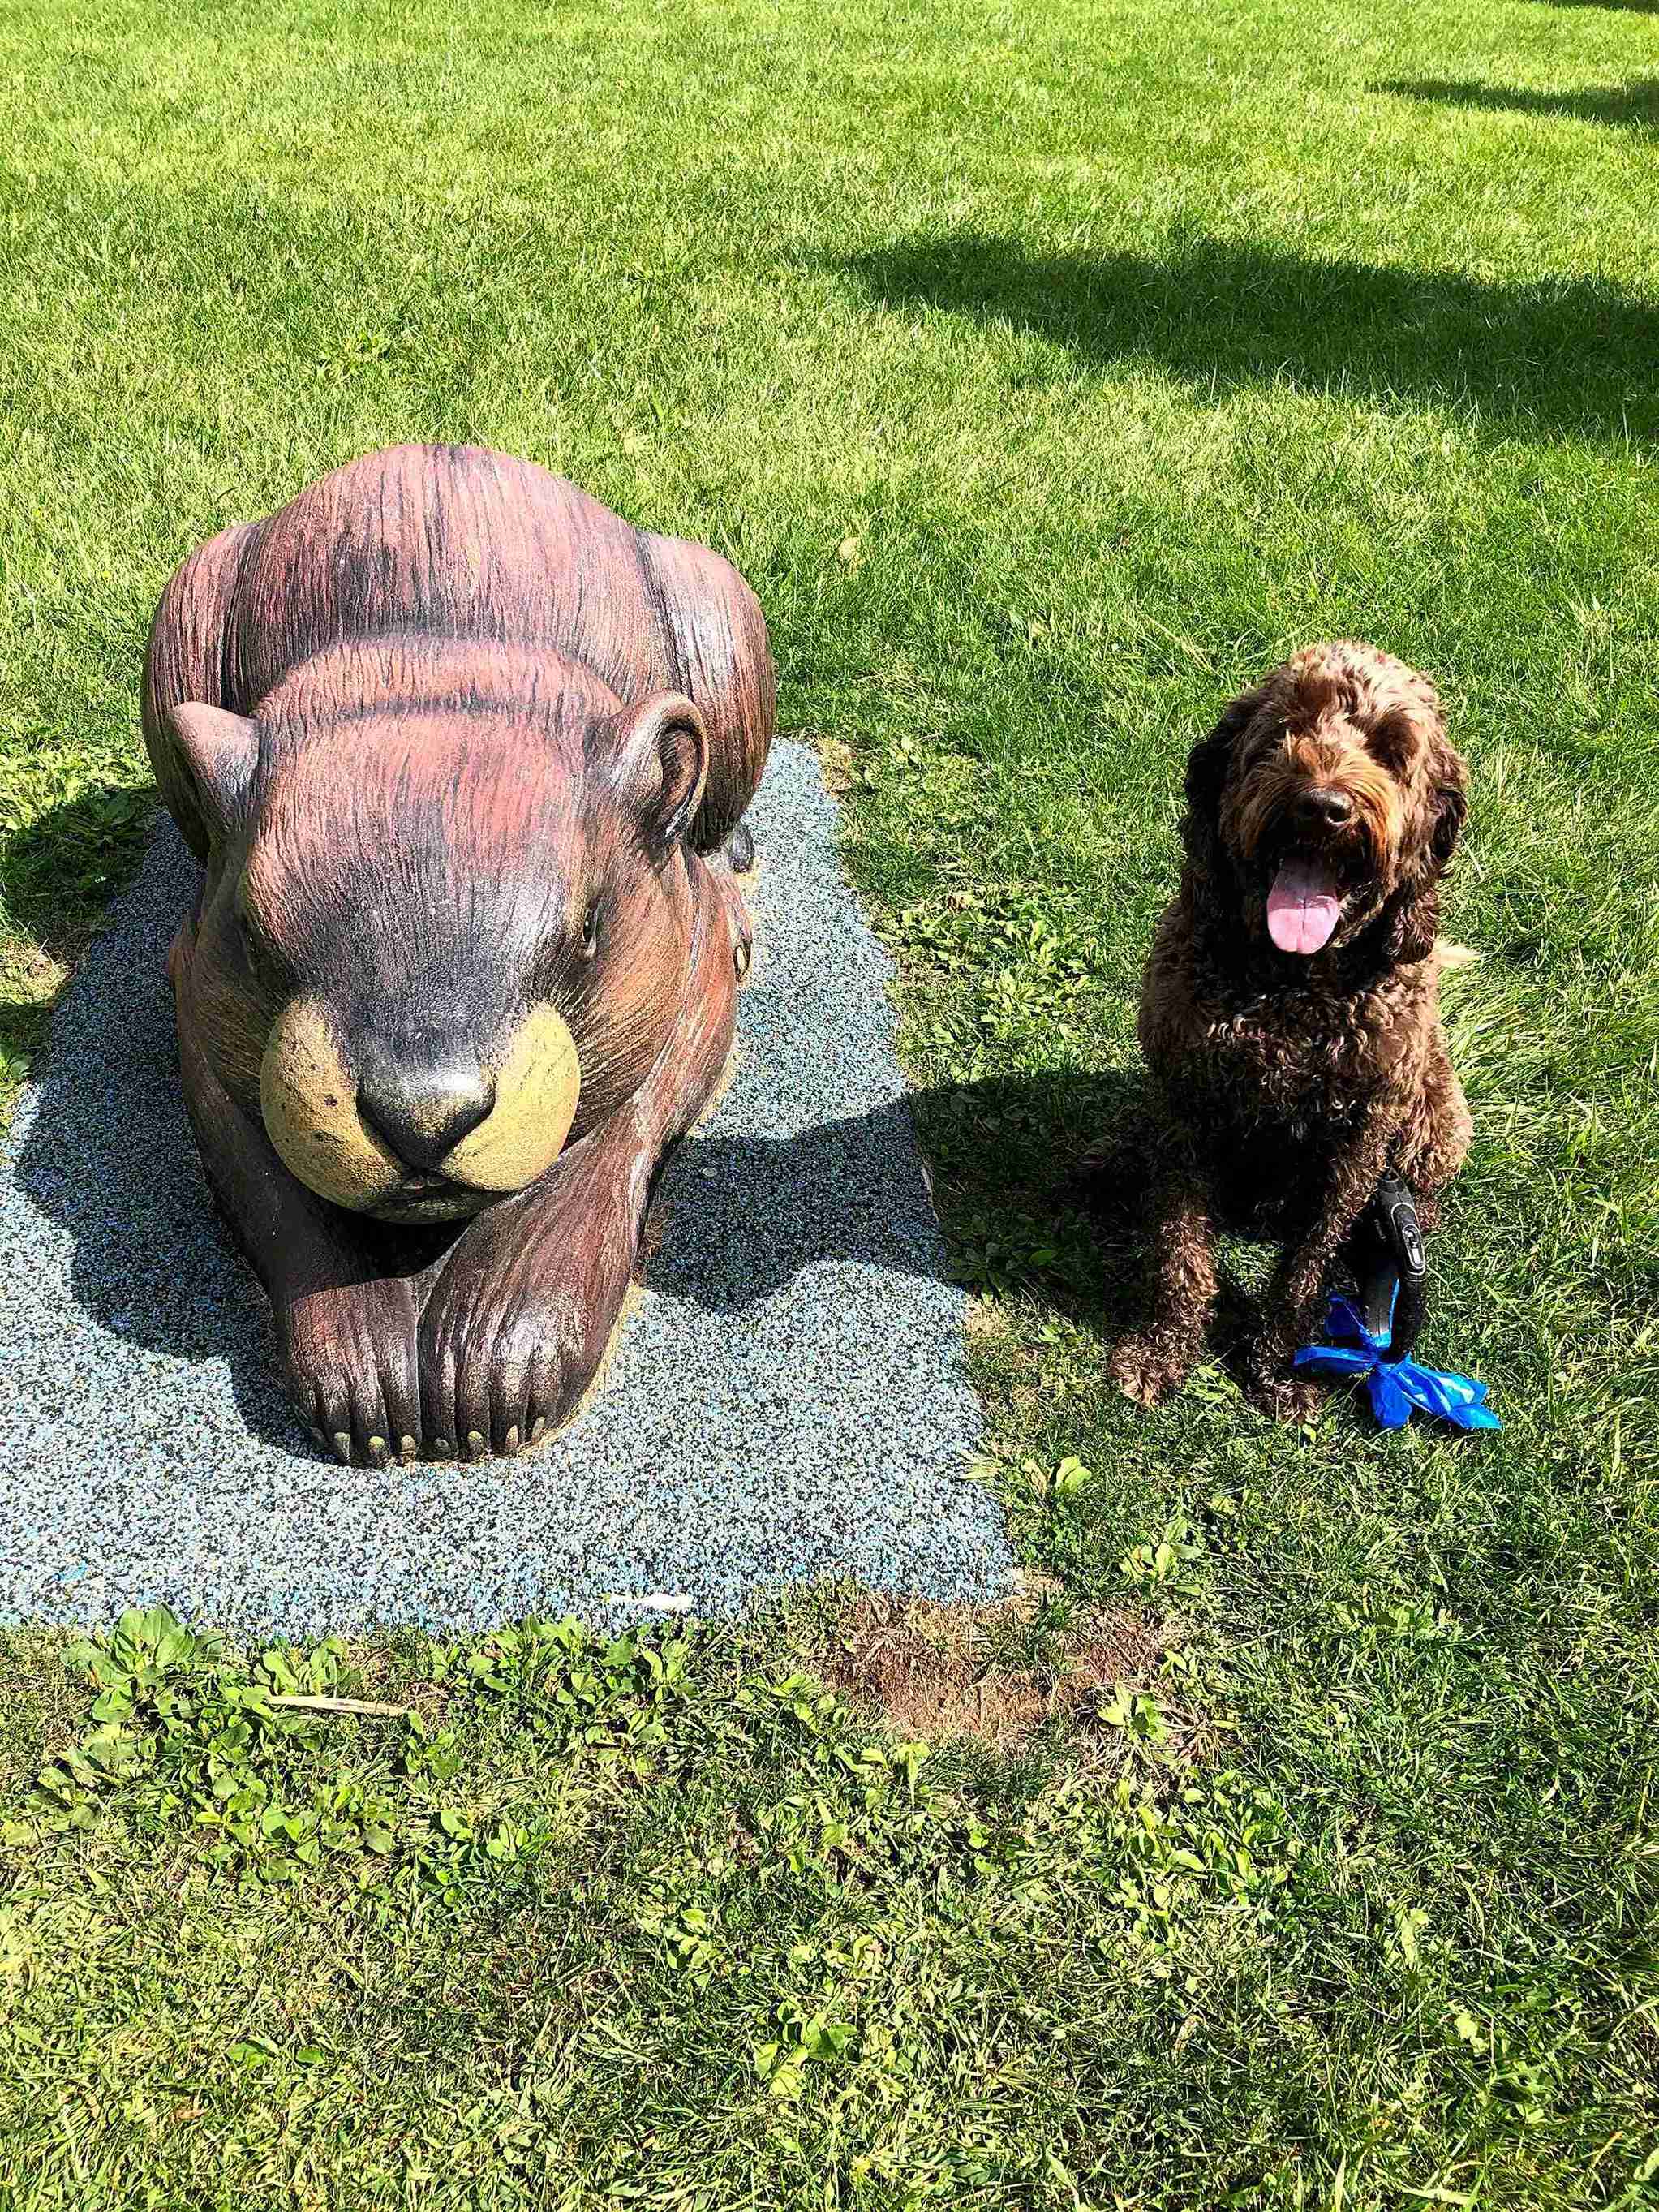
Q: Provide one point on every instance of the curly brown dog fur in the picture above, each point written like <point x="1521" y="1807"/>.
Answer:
<point x="1291" y="1078"/>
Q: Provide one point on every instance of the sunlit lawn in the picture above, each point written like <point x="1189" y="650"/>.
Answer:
<point x="1049" y="370"/>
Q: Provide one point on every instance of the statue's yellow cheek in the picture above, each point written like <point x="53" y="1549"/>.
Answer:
<point x="538" y="1082"/>
<point x="310" y="1105"/>
<point x="309" y="1100"/>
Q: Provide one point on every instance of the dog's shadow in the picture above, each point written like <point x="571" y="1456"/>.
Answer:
<point x="1045" y="1183"/>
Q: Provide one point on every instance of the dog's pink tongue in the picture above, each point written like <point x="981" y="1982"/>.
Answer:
<point x="1302" y="907"/>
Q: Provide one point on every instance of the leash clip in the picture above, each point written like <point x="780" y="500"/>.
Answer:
<point x="1391" y="1267"/>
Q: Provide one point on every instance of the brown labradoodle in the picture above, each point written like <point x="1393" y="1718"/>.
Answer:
<point x="1290" y="1010"/>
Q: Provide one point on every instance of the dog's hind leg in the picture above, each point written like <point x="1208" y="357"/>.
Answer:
<point x="1155" y="1360"/>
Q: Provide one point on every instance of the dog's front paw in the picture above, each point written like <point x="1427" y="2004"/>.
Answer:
<point x="1146" y="1370"/>
<point x="349" y="1357"/>
<point x="1283" y="1395"/>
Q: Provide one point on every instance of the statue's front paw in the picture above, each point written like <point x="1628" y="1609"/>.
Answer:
<point x="508" y="1350"/>
<point x="350" y="1359"/>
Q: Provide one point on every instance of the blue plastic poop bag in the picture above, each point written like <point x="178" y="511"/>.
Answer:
<point x="1395" y="1386"/>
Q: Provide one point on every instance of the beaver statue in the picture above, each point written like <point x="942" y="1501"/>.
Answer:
<point x="466" y="759"/>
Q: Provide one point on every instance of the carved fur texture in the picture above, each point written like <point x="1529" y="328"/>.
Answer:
<point x="464" y="757"/>
<point x="1325" y="806"/>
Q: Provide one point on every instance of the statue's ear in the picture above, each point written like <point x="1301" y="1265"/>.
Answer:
<point x="221" y="751"/>
<point x="661" y="766"/>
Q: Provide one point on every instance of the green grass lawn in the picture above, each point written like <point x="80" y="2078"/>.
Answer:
<point x="1049" y="370"/>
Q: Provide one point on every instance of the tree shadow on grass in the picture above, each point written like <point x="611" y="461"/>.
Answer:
<point x="1574" y="356"/>
<point x="1632" y="106"/>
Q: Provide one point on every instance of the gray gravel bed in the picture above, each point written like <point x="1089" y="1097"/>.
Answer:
<point x="788" y="1399"/>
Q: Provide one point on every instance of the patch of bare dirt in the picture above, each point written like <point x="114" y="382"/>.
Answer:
<point x="835" y="759"/>
<point x="938" y="1672"/>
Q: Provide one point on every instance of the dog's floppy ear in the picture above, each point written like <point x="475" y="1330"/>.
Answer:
<point x="1418" y="715"/>
<point x="1411" y="917"/>
<point x="1450" y="804"/>
<point x="1208" y="765"/>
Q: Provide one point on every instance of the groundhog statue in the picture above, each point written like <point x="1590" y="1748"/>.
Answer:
<point x="465" y="757"/>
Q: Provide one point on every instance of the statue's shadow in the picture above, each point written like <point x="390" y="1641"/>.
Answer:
<point x="107" y="1157"/>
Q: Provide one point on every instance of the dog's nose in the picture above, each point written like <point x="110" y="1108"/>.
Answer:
<point x="424" y="1113"/>
<point x="1327" y="807"/>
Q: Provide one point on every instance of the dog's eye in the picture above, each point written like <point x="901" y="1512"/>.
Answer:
<point x="591" y="930"/>
<point x="1390" y="742"/>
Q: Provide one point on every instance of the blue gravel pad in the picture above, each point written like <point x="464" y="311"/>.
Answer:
<point x="788" y="1398"/>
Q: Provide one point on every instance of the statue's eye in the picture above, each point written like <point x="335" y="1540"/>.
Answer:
<point x="591" y="930"/>
<point x="264" y="964"/>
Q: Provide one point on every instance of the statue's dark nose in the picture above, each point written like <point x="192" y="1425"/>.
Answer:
<point x="423" y="1113"/>
<point x="1325" y="808"/>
